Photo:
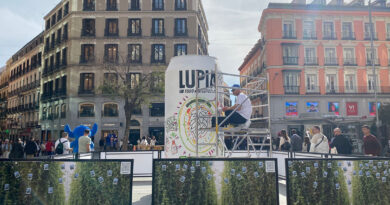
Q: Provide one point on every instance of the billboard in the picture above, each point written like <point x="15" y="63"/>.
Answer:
<point x="352" y="108"/>
<point x="338" y="181"/>
<point x="372" y="108"/>
<point x="312" y="107"/>
<point x="334" y="107"/>
<point x="66" y="182"/>
<point x="215" y="181"/>
<point x="182" y="109"/>
<point x="291" y="108"/>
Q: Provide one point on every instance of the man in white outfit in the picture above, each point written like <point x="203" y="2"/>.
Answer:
<point x="319" y="142"/>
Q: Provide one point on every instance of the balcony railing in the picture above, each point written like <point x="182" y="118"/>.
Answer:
<point x="371" y="61"/>
<point x="87" y="59"/>
<point x="331" y="61"/>
<point x="87" y="114"/>
<point x="311" y="61"/>
<point x="291" y="89"/>
<point x="329" y="36"/>
<point x="158" y="33"/>
<point x="367" y="36"/>
<point x="350" y="61"/>
<point x="111" y="59"/>
<point x="138" y="59"/>
<point x="132" y="33"/>
<point x="309" y="35"/>
<point x="289" y="35"/>
<point x="107" y="33"/>
<point x="348" y="36"/>
<point x="331" y="90"/>
<point x="388" y="36"/>
<point x="83" y="91"/>
<point x="84" y="33"/>
<point x="312" y="89"/>
<point x="182" y="33"/>
<point x="288" y="60"/>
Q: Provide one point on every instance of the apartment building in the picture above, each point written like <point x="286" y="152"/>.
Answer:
<point x="83" y="36"/>
<point x="3" y="100"/>
<point x="23" y="75"/>
<point x="319" y="61"/>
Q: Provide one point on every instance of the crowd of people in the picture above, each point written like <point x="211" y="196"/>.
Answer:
<point x="29" y="148"/>
<point x="317" y="142"/>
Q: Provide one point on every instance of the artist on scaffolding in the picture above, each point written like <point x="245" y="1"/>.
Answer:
<point x="241" y="115"/>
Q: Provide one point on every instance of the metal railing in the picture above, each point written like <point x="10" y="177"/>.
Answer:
<point x="287" y="60"/>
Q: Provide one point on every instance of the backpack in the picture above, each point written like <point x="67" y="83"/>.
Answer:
<point x="60" y="147"/>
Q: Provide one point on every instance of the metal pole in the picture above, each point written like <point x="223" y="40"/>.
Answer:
<point x="216" y="111"/>
<point x="197" y="113"/>
<point x="269" y="117"/>
<point x="373" y="63"/>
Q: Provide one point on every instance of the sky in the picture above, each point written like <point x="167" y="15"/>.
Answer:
<point x="232" y="28"/>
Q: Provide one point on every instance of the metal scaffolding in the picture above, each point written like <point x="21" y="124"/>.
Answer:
<point x="257" y="138"/>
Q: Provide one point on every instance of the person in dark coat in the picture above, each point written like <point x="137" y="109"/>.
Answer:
<point x="17" y="150"/>
<point x="296" y="141"/>
<point x="371" y="144"/>
<point x="342" y="144"/>
<point x="30" y="149"/>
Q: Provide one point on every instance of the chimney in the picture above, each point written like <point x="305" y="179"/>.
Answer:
<point x="299" y="2"/>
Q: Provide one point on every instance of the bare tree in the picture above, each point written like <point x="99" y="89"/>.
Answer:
<point x="134" y="87"/>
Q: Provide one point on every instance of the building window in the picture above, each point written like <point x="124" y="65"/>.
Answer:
<point x="59" y="15"/>
<point x="331" y="83"/>
<point x="58" y="59"/>
<point x="86" y="83"/>
<point x="112" y="5"/>
<point x="111" y="53"/>
<point x="87" y="110"/>
<point x="63" y="111"/>
<point x="309" y="30"/>
<point x="88" y="27"/>
<point x="372" y="82"/>
<point x="89" y="5"/>
<point x="111" y="27"/>
<point x="66" y="9"/>
<point x="47" y="24"/>
<point x="158" y="53"/>
<point x="347" y="33"/>
<point x="58" y="36"/>
<point x="329" y="31"/>
<point x="110" y="110"/>
<point x="53" y="19"/>
<point x="310" y="56"/>
<point x="371" y="57"/>
<point x="65" y="35"/>
<point x="350" y="83"/>
<point x="330" y="56"/>
<point x="158" y="4"/>
<point x="158" y="27"/>
<point x="367" y="32"/>
<point x="44" y="113"/>
<point x="56" y="112"/>
<point x="64" y="57"/>
<point x="290" y="54"/>
<point x="180" y="27"/>
<point x="135" y="53"/>
<point x="134" y="5"/>
<point x="53" y="40"/>
<point x="157" y="110"/>
<point x="180" y="49"/>
<point x="291" y="82"/>
<point x="288" y="30"/>
<point x="87" y="53"/>
<point x="180" y="4"/>
<point x="134" y="27"/>
<point x="312" y="86"/>
<point x="349" y="56"/>
<point x="388" y="31"/>
<point x="133" y="79"/>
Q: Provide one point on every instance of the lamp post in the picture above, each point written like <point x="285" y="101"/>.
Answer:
<point x="373" y="63"/>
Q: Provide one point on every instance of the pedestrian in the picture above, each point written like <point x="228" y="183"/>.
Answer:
<point x="319" y="142"/>
<point x="120" y="144"/>
<point x="108" y="141"/>
<point x="6" y="148"/>
<point x="296" y="141"/>
<point x="17" y="150"/>
<point x="153" y="141"/>
<point x="43" y="148"/>
<point x="36" y="142"/>
<point x="371" y="144"/>
<point x="62" y="145"/>
<point x="30" y="149"/>
<point x="85" y="142"/>
<point x="285" y="141"/>
<point x="49" y="147"/>
<point x="340" y="142"/>
<point x="306" y="144"/>
<point x="101" y="144"/>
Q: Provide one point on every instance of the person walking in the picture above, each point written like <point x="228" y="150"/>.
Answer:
<point x="6" y="148"/>
<point x="17" y="150"/>
<point x="285" y="141"/>
<point x="85" y="142"/>
<point x="49" y="147"/>
<point x="296" y="141"/>
<point x="319" y="142"/>
<point x="101" y="144"/>
<point x="30" y="149"/>
<point x="340" y="142"/>
<point x="62" y="145"/>
<point x="371" y="144"/>
<point x="306" y="144"/>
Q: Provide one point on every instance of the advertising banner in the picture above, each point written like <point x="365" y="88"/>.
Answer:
<point x="312" y="107"/>
<point x="338" y="181"/>
<point x="181" y="125"/>
<point x="215" y="181"/>
<point x="352" y="108"/>
<point x="66" y="182"/>
<point x="334" y="107"/>
<point x="291" y="108"/>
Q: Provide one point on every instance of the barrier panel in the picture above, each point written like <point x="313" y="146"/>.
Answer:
<point x="86" y="182"/>
<point x="338" y="181"/>
<point x="215" y="181"/>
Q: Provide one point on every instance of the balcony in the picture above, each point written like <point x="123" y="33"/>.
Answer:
<point x="331" y="90"/>
<point x="182" y="33"/>
<point x="311" y="61"/>
<point x="133" y="33"/>
<point x="137" y="60"/>
<point x="331" y="61"/>
<point x="309" y="35"/>
<point x="348" y="36"/>
<point x="291" y="90"/>
<point x="87" y="59"/>
<point x="158" y="33"/>
<point x="329" y="36"/>
<point x="312" y="89"/>
<point x="287" y="60"/>
<point x="369" y="61"/>
<point x="350" y="62"/>
<point x="289" y="35"/>
<point x="87" y="113"/>
<point x="85" y="33"/>
<point x="89" y="7"/>
<point x="111" y="59"/>
<point x="108" y="33"/>
<point x="88" y="92"/>
<point x="367" y="36"/>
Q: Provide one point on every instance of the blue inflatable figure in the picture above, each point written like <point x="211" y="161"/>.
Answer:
<point x="79" y="132"/>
